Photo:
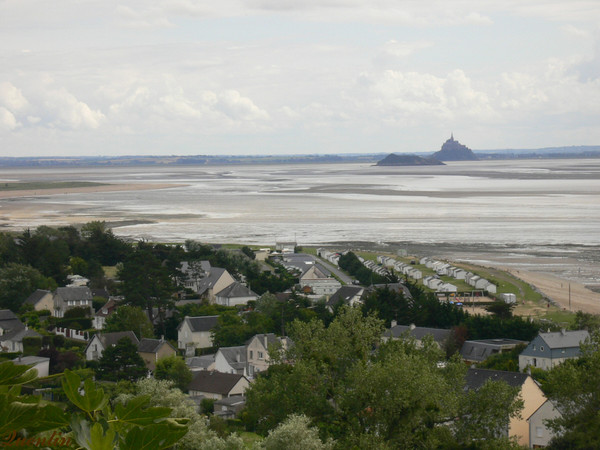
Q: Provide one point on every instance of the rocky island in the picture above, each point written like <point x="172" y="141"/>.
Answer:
<point x="408" y="160"/>
<point x="454" y="151"/>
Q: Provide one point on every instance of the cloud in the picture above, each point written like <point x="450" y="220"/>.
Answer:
<point x="7" y="119"/>
<point x="68" y="112"/>
<point x="11" y="97"/>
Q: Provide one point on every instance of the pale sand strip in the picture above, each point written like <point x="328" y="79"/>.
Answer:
<point x="557" y="289"/>
<point x="86" y="189"/>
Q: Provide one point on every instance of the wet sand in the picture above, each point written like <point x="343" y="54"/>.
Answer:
<point x="83" y="190"/>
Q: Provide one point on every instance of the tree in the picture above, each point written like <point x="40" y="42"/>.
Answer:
<point x="146" y="282"/>
<point x="130" y="318"/>
<point x="17" y="282"/>
<point x="501" y="309"/>
<point x="574" y="389"/>
<point x="173" y="368"/>
<point x="163" y="394"/>
<point x="121" y="362"/>
<point x="295" y="433"/>
<point x="91" y="421"/>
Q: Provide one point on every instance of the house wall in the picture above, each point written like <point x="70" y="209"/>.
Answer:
<point x="257" y="355"/>
<point x="225" y="280"/>
<point x="533" y="398"/>
<point x="221" y="364"/>
<point x="46" y="302"/>
<point x="93" y="351"/>
<point x="199" y="339"/>
<point x="539" y="434"/>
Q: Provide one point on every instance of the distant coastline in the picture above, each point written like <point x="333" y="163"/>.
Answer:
<point x="571" y="152"/>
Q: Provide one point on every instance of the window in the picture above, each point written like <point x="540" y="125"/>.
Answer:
<point x="534" y="348"/>
<point x="539" y="432"/>
<point x="541" y="348"/>
<point x="260" y="355"/>
<point x="251" y="354"/>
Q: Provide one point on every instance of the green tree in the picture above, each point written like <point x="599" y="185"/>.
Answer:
<point x="17" y="282"/>
<point x="163" y="394"/>
<point x="574" y="389"/>
<point x="147" y="283"/>
<point x="91" y="422"/>
<point x="295" y="433"/>
<point x="130" y="318"/>
<point x="121" y="362"/>
<point x="173" y="368"/>
<point x="586" y="321"/>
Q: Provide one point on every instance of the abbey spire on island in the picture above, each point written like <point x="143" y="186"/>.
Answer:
<point x="451" y="150"/>
<point x="454" y="151"/>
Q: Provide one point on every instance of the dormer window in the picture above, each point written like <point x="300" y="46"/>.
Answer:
<point x="541" y="348"/>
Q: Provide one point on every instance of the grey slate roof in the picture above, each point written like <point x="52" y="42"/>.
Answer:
<point x="396" y="287"/>
<point x="18" y="334"/>
<point x="214" y="382"/>
<point x="343" y="295"/>
<point x="235" y="356"/>
<point x="200" y="362"/>
<point x="110" y="339"/>
<point x="439" y="334"/>
<point x="9" y="321"/>
<point x="147" y="345"/>
<point x="200" y="323"/>
<point x="271" y="338"/>
<point x="36" y="296"/>
<point x="234" y="400"/>
<point x="236" y="289"/>
<point x="477" y="377"/>
<point x="565" y="339"/>
<point x="209" y="281"/>
<point x="479" y="350"/>
<point x="74" y="293"/>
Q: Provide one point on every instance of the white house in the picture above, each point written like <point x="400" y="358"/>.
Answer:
<point x="235" y="294"/>
<point x="102" y="341"/>
<point x="217" y="385"/>
<point x="195" y="332"/>
<point x="232" y="360"/>
<point x="318" y="282"/>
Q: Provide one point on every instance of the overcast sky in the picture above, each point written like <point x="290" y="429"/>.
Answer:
<point x="105" y="77"/>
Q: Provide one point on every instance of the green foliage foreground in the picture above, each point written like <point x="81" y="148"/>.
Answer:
<point x="89" y="421"/>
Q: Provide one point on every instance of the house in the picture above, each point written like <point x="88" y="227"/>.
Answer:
<point x="216" y="280"/>
<point x="41" y="300"/>
<point x="9" y="321"/>
<point x="217" y="385"/>
<point x="257" y="351"/>
<point x="69" y="297"/>
<point x="151" y="350"/>
<point x="547" y="350"/>
<point x="204" y="362"/>
<point x="101" y="341"/>
<point x="195" y="332"/>
<point x="318" y="281"/>
<point x="39" y="363"/>
<point x="479" y="350"/>
<point x="103" y="312"/>
<point x="346" y="295"/>
<point x="12" y="340"/>
<point x="229" y="407"/>
<point x="235" y="294"/>
<point x="232" y="360"/>
<point x="529" y="390"/>
<point x="539" y="433"/>
<point x="193" y="272"/>
<point x="440" y="336"/>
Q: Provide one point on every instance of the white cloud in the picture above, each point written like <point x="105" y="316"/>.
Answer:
<point x="7" y="119"/>
<point x="68" y="112"/>
<point x="11" y="97"/>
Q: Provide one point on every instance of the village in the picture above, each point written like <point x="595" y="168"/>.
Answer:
<point x="204" y="327"/>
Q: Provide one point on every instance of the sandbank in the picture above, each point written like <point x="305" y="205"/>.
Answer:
<point x="84" y="189"/>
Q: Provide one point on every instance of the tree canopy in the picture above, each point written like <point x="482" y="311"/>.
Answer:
<point x="121" y="362"/>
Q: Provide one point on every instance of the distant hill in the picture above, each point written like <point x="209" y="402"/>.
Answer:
<point x="408" y="160"/>
<point x="454" y="151"/>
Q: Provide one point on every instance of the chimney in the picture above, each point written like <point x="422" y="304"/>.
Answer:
<point x="563" y="331"/>
<point x="412" y="326"/>
<point x="394" y="323"/>
<point x="162" y="338"/>
<point x="266" y="340"/>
